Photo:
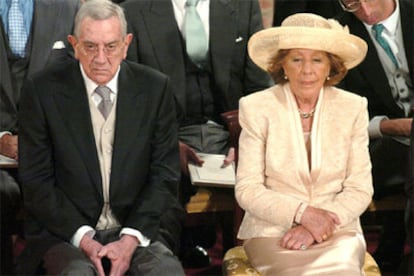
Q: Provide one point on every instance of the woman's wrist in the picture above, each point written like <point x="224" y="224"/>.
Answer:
<point x="299" y="212"/>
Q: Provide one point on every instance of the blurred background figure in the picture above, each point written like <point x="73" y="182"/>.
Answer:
<point x="284" y="8"/>
<point x="385" y="78"/>
<point x="32" y="35"/>
<point x="208" y="77"/>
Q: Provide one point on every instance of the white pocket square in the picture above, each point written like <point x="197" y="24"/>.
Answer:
<point x="59" y="45"/>
<point x="239" y="39"/>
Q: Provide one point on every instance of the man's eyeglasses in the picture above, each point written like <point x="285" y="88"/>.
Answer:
<point x="353" y="5"/>
<point x="110" y="50"/>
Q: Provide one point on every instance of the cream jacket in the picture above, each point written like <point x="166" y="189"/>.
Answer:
<point x="273" y="176"/>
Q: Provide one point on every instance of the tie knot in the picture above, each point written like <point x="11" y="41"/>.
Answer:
<point x="378" y="28"/>
<point x="104" y="92"/>
<point x="191" y="3"/>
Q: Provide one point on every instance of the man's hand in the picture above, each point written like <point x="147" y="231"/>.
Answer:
<point x="120" y="254"/>
<point x="297" y="238"/>
<point x="187" y="155"/>
<point x="8" y="146"/>
<point x="320" y="223"/>
<point x="229" y="158"/>
<point x="91" y="248"/>
<point x="396" y="127"/>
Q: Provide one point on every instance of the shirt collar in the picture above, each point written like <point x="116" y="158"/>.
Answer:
<point x="91" y="85"/>
<point x="180" y="4"/>
<point x="390" y="23"/>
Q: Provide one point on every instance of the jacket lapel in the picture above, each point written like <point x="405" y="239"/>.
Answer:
<point x="371" y="67"/>
<point x="408" y="29"/>
<point x="223" y="33"/>
<point x="42" y="40"/>
<point x="5" y="78"/>
<point x="74" y="106"/>
<point x="167" y="43"/>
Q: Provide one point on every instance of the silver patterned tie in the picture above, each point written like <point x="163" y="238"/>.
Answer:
<point x="105" y="105"/>
<point x="195" y="35"/>
<point x="17" y="33"/>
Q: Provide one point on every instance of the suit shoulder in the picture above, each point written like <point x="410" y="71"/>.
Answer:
<point x="56" y="70"/>
<point x="264" y="100"/>
<point x="143" y="70"/>
<point x="131" y="6"/>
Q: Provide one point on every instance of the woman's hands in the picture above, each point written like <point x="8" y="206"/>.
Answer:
<point x="297" y="238"/>
<point x="320" y="223"/>
<point x="316" y="225"/>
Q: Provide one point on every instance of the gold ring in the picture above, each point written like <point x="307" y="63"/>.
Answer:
<point x="302" y="247"/>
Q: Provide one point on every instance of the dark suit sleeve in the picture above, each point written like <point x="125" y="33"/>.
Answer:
<point x="45" y="202"/>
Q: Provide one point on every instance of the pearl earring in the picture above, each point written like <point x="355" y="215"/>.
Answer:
<point x="285" y="77"/>
<point x="328" y="78"/>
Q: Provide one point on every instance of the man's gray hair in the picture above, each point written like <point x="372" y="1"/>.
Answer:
<point x="100" y="10"/>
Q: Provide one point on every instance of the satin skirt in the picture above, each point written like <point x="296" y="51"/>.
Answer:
<point x="342" y="254"/>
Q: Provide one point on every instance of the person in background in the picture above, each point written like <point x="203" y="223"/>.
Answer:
<point x="407" y="264"/>
<point x="98" y="157"/>
<point x="304" y="172"/>
<point x="385" y="78"/>
<point x="32" y="36"/>
<point x="284" y="8"/>
<point x="206" y="60"/>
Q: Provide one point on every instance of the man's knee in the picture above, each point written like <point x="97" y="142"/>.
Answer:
<point x="156" y="259"/>
<point x="79" y="268"/>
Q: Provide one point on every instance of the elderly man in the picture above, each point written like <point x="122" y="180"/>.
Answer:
<point x="99" y="158"/>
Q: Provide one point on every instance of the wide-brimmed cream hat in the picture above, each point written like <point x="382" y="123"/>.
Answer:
<point x="307" y="31"/>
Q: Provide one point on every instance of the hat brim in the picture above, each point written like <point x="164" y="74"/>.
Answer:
<point x="264" y="44"/>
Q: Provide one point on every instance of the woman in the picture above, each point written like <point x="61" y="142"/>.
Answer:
<point x="304" y="173"/>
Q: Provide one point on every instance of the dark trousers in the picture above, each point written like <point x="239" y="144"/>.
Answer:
<point x="156" y="259"/>
<point x="390" y="161"/>
<point x="10" y="203"/>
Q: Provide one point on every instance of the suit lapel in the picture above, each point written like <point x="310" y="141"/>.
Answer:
<point x="223" y="32"/>
<point x="74" y="106"/>
<point x="130" y="112"/>
<point x="408" y="29"/>
<point x="371" y="68"/>
<point x="41" y="39"/>
<point x="167" y="43"/>
<point x="5" y="78"/>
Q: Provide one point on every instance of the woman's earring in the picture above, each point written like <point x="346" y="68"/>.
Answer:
<point x="328" y="78"/>
<point x="285" y="77"/>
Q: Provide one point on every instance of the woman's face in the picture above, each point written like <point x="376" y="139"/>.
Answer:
<point x="306" y="70"/>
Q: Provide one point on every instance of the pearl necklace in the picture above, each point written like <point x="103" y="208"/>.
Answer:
<point x="306" y="115"/>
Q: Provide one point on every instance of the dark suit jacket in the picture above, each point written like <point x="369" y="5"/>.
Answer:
<point x="157" y="43"/>
<point x="369" y="79"/>
<point x="52" y="21"/>
<point x="58" y="161"/>
<point x="285" y="8"/>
